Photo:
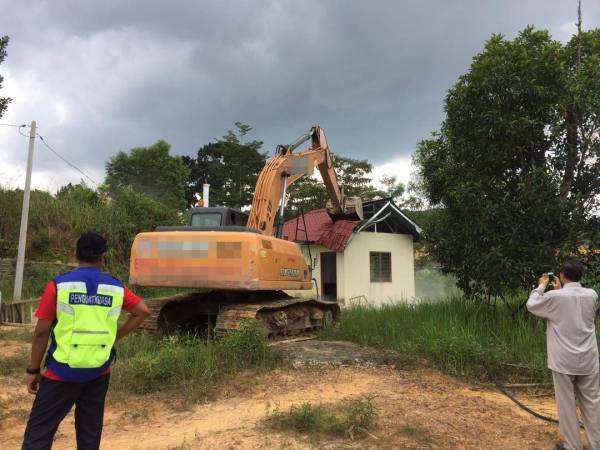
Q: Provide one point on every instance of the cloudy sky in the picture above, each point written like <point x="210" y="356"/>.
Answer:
<point x="99" y="77"/>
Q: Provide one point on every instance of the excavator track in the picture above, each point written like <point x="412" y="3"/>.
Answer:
<point x="281" y="317"/>
<point x="155" y="306"/>
<point x="276" y="313"/>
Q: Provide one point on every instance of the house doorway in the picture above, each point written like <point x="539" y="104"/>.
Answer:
<point x="328" y="276"/>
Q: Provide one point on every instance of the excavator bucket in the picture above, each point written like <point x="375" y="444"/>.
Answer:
<point x="351" y="209"/>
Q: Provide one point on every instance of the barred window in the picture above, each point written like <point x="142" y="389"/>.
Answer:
<point x="381" y="266"/>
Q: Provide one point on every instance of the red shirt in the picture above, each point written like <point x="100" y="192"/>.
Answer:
<point x="46" y="310"/>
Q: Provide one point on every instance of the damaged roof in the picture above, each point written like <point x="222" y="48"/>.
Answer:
<point x="317" y="226"/>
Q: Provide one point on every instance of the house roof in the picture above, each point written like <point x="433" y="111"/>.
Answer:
<point x="317" y="226"/>
<point x="383" y="215"/>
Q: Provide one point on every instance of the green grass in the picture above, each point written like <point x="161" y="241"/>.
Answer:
<point x="14" y="365"/>
<point x="35" y="278"/>
<point x="417" y="433"/>
<point x="6" y="411"/>
<point x="19" y="414"/>
<point x="187" y="367"/>
<point x="351" y="418"/>
<point x="16" y="334"/>
<point x="187" y="364"/>
<point x="456" y="336"/>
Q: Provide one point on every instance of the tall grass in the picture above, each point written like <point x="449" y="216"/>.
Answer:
<point x="188" y="365"/>
<point x="35" y="278"/>
<point x="457" y="336"/>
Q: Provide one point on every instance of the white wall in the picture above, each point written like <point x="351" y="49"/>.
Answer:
<point x="356" y="275"/>
<point x="315" y="251"/>
<point x="353" y="271"/>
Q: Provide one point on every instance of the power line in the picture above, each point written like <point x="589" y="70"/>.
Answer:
<point x="65" y="160"/>
<point x="51" y="149"/>
<point x="12" y="125"/>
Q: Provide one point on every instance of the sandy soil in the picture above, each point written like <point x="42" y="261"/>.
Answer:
<point x="12" y="348"/>
<point x="418" y="408"/>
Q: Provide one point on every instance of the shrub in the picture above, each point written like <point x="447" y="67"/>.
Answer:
<point x="350" y="418"/>
<point x="187" y="362"/>
<point x="243" y="347"/>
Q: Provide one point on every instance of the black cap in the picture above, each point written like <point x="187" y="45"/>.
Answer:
<point x="90" y="247"/>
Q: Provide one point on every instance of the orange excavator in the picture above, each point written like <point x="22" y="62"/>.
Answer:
<point x="240" y="263"/>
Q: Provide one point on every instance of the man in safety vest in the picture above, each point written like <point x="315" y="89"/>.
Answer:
<point x="78" y="311"/>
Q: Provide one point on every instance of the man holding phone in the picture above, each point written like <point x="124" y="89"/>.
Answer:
<point x="570" y="313"/>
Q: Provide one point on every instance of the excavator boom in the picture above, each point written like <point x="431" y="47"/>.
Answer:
<point x="285" y="168"/>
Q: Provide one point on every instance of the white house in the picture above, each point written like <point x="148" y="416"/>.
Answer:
<point x="358" y="262"/>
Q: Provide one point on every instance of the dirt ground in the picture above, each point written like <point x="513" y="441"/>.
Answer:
<point x="418" y="408"/>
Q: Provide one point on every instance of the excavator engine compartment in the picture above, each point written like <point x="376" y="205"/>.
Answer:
<point x="217" y="259"/>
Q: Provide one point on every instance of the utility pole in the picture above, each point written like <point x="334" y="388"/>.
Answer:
<point x="24" y="218"/>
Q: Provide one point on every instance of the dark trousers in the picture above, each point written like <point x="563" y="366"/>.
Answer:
<point x="53" y="402"/>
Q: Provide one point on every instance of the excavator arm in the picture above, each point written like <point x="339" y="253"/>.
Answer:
<point x="285" y="168"/>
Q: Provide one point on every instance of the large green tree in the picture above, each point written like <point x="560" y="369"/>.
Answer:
<point x="149" y="170"/>
<point x="307" y="193"/>
<point x="514" y="169"/>
<point x="354" y="176"/>
<point x="4" y="101"/>
<point x="230" y="166"/>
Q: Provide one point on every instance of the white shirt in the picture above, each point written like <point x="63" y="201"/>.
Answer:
<point x="570" y="315"/>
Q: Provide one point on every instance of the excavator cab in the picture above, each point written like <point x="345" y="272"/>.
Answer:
<point x="212" y="219"/>
<point x="217" y="217"/>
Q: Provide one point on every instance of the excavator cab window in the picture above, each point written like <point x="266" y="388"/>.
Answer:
<point x="208" y="219"/>
<point x="239" y="218"/>
<point x="217" y="217"/>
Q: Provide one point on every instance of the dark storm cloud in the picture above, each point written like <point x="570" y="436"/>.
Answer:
<point x="105" y="76"/>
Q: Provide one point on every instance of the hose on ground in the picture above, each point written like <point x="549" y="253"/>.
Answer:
<point x="502" y="388"/>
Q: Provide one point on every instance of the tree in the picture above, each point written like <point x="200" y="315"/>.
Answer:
<point x="230" y="166"/>
<point x="515" y="167"/>
<point x="353" y="176"/>
<point x="150" y="170"/>
<point x="393" y="188"/>
<point x="307" y="193"/>
<point x="78" y="193"/>
<point x="4" y="101"/>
